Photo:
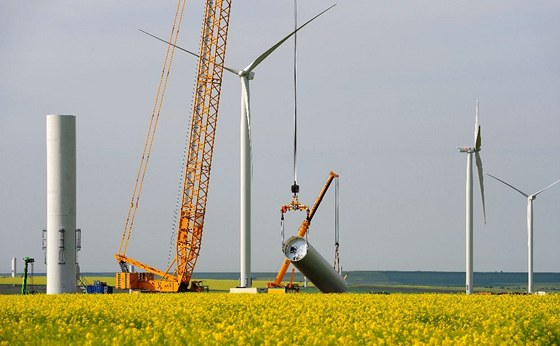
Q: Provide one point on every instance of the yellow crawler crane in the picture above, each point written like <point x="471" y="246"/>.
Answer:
<point x="198" y="160"/>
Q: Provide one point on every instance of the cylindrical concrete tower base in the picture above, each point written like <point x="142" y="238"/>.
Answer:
<point x="61" y="204"/>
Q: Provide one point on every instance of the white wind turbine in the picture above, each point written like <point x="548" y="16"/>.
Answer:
<point x="469" y="200"/>
<point x="246" y="75"/>
<point x="530" y="199"/>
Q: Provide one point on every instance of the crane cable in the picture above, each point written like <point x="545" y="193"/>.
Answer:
<point x="148" y="143"/>
<point x="175" y="219"/>
<point x="336" y="229"/>
<point x="282" y="228"/>
<point x="295" y="186"/>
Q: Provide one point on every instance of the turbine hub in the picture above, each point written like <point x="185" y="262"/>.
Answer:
<point x="247" y="74"/>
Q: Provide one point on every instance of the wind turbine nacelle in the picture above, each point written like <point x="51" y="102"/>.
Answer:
<point x="466" y="149"/>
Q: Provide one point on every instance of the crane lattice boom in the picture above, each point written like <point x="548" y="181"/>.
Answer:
<point x="202" y="136"/>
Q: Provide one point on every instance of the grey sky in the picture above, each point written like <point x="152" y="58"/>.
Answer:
<point x="387" y="91"/>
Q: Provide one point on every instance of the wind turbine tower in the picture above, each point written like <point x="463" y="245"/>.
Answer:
<point x="61" y="204"/>
<point x="469" y="200"/>
<point x="530" y="199"/>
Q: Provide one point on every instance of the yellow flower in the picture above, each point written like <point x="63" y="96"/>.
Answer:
<point x="314" y="319"/>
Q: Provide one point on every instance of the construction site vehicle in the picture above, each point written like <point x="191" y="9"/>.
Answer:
<point x="26" y="261"/>
<point x="296" y="206"/>
<point x="198" y="286"/>
<point x="176" y="277"/>
<point x="99" y="287"/>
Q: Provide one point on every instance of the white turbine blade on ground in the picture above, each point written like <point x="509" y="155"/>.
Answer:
<point x="232" y="70"/>
<point x="513" y="187"/>
<point x="549" y="186"/>
<point x="264" y="55"/>
<point x="477" y="136"/>
<point x="480" y="181"/>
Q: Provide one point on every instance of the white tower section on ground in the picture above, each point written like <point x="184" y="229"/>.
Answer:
<point x="311" y="264"/>
<point x="61" y="204"/>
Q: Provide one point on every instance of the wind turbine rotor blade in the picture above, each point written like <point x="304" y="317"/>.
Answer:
<point x="513" y="187"/>
<point x="480" y="181"/>
<point x="187" y="51"/>
<point x="477" y="136"/>
<point x="549" y="186"/>
<point x="245" y="103"/>
<point x="162" y="40"/>
<point x="264" y="55"/>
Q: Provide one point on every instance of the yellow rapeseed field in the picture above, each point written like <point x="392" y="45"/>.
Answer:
<point x="312" y="319"/>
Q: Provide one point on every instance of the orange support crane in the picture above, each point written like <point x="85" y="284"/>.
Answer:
<point x="198" y="159"/>
<point x="296" y="206"/>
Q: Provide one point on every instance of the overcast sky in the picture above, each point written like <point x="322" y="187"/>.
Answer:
<point x="386" y="92"/>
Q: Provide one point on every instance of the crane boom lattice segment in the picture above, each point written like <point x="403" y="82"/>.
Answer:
<point x="148" y="143"/>
<point x="202" y="136"/>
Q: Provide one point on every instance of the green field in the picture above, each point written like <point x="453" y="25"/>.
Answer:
<point x="359" y="282"/>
